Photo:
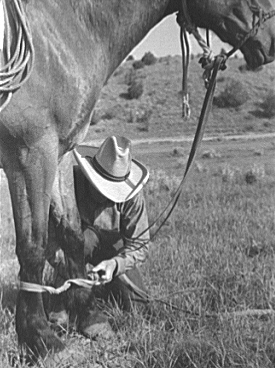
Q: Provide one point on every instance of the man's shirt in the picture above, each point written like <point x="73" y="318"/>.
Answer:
<point x="127" y="221"/>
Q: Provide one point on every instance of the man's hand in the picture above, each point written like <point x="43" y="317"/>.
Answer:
<point x="105" y="270"/>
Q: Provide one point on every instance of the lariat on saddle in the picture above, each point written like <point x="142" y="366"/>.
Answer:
<point x="16" y="49"/>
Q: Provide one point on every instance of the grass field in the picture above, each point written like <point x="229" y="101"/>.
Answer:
<point x="213" y="260"/>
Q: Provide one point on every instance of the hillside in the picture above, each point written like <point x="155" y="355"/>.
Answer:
<point x="157" y="112"/>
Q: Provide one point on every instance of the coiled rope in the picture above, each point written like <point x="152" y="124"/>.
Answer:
<point x="18" y="50"/>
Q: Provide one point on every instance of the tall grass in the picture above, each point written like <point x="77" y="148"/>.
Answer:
<point x="212" y="261"/>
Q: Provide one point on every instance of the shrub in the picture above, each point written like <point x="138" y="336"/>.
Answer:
<point x="96" y="117"/>
<point x="149" y="59"/>
<point x="143" y="118"/>
<point x="268" y="105"/>
<point x="245" y="68"/>
<point x="254" y="174"/>
<point x="130" y="58"/>
<point x="111" y="112"/>
<point x="129" y="76"/>
<point x="138" y="64"/>
<point x="210" y="154"/>
<point x="135" y="89"/>
<point x="234" y="95"/>
<point x="249" y="128"/>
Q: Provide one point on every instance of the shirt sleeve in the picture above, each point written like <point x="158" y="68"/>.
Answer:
<point x="135" y="234"/>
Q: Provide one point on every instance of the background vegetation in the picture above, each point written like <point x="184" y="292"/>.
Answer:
<point x="244" y="100"/>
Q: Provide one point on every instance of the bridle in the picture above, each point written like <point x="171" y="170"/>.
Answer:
<point x="259" y="17"/>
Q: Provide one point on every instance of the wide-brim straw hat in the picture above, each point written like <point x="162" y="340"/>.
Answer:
<point x="111" y="168"/>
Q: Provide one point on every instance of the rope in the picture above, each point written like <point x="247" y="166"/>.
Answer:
<point x="186" y="25"/>
<point x="185" y="50"/>
<point x="19" y="59"/>
<point x="36" y="288"/>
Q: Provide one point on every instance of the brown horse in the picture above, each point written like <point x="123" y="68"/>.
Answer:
<point x="78" y="44"/>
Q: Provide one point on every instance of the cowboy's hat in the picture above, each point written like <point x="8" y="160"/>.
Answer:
<point x="111" y="169"/>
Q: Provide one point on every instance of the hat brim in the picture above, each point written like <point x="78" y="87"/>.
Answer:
<point x="115" y="191"/>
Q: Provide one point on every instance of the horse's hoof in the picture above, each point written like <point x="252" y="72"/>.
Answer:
<point x="96" y="325"/>
<point x="39" y="351"/>
<point x="39" y="345"/>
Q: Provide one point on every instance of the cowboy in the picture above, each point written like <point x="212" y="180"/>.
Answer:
<point x="108" y="187"/>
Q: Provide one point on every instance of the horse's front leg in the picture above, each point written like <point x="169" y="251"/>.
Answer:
<point x="30" y="173"/>
<point x="66" y="233"/>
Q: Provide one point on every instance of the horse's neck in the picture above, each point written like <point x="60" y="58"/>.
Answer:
<point x="124" y="24"/>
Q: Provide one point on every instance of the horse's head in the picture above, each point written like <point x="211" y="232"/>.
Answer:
<point x="231" y="20"/>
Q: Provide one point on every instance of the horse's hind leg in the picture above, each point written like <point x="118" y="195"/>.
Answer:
<point x="30" y="173"/>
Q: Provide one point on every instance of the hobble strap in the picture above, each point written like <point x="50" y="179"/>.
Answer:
<point x="36" y="288"/>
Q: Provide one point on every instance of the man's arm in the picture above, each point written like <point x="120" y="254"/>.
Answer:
<point x="135" y="234"/>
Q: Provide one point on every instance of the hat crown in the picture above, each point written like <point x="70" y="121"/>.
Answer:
<point x="114" y="156"/>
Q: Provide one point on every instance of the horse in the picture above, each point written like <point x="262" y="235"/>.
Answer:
<point x="78" y="44"/>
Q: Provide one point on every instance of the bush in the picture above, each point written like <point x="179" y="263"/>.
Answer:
<point x="149" y="59"/>
<point x="268" y="105"/>
<point x="243" y="68"/>
<point x="234" y="95"/>
<point x="111" y="112"/>
<point x="96" y="116"/>
<point x="135" y="89"/>
<point x="130" y="58"/>
<point x="138" y="64"/>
